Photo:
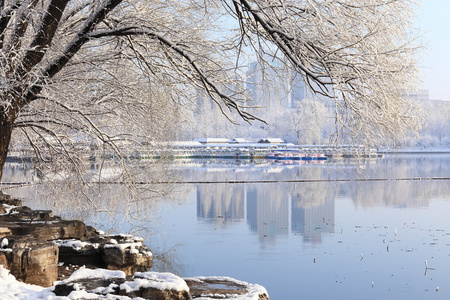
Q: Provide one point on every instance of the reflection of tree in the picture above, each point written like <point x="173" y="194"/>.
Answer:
<point x="110" y="206"/>
<point x="270" y="209"/>
<point x="268" y="172"/>
<point x="168" y="261"/>
<point x="404" y="182"/>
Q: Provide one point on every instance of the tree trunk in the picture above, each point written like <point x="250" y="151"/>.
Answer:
<point x="6" y="126"/>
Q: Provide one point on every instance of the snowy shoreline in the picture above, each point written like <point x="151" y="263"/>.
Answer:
<point x="57" y="250"/>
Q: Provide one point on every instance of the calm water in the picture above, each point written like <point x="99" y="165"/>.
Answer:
<point x="337" y="230"/>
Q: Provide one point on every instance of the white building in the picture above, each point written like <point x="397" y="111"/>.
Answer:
<point x="274" y="88"/>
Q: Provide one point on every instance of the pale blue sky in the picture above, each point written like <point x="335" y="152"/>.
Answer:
<point x="434" y="22"/>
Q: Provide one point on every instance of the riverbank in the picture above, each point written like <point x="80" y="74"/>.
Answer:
<point x="43" y="256"/>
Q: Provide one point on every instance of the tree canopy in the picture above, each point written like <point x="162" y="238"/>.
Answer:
<point x="116" y="74"/>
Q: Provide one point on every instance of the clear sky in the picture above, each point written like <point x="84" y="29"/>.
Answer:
<point x="434" y="22"/>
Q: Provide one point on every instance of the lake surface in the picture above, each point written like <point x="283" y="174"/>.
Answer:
<point x="337" y="230"/>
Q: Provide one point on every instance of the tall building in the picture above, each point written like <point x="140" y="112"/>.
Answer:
<point x="274" y="87"/>
<point x="298" y="91"/>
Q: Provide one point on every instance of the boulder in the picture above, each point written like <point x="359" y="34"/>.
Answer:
<point x="3" y="260"/>
<point x="22" y="220"/>
<point x="7" y="199"/>
<point x="46" y="230"/>
<point x="81" y="253"/>
<point x="4" y="231"/>
<point x="146" y="285"/>
<point x="126" y="253"/>
<point x="155" y="286"/>
<point x="224" y="288"/>
<point x="118" y="252"/>
<point x="31" y="260"/>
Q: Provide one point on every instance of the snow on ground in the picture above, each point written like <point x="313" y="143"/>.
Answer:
<point x="85" y="273"/>
<point x="160" y="281"/>
<point x="12" y="289"/>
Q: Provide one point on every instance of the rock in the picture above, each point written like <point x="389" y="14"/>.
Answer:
<point x="147" y="285"/>
<point x="32" y="260"/>
<point x="42" y="224"/>
<point x="60" y="229"/>
<point x="154" y="285"/>
<point x="7" y="203"/>
<point x="127" y="253"/>
<point x="4" y="231"/>
<point x="224" y="288"/>
<point x="94" y="285"/>
<point x="6" y="199"/>
<point x="119" y="252"/>
<point x="79" y="244"/>
<point x="157" y="286"/>
<point x="80" y="253"/>
<point x="3" y="260"/>
<point x="94" y="281"/>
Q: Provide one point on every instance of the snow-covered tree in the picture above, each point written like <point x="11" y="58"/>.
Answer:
<point x="115" y="74"/>
<point x="307" y="121"/>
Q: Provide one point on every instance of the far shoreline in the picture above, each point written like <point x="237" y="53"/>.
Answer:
<point x="440" y="151"/>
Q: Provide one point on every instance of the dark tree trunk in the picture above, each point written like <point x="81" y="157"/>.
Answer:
<point x="6" y="127"/>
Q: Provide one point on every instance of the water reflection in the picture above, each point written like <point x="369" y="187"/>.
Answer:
<point x="270" y="209"/>
<point x="279" y="204"/>
<point x="308" y="208"/>
<point x="218" y="203"/>
<point x="313" y="211"/>
<point x="268" y="212"/>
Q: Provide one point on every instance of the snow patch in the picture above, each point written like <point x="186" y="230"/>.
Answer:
<point x="124" y="245"/>
<point x="12" y="289"/>
<point x="9" y="208"/>
<point x="160" y="281"/>
<point x="253" y="290"/>
<point x="76" y="245"/>
<point x="85" y="273"/>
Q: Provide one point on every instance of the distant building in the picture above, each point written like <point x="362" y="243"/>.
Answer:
<point x="213" y="141"/>
<point x="274" y="89"/>
<point x="419" y="95"/>
<point x="271" y="141"/>
<point x="239" y="141"/>
<point x="298" y="90"/>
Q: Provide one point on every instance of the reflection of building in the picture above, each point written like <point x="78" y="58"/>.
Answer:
<point x="313" y="220"/>
<point x="268" y="211"/>
<point x="220" y="202"/>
